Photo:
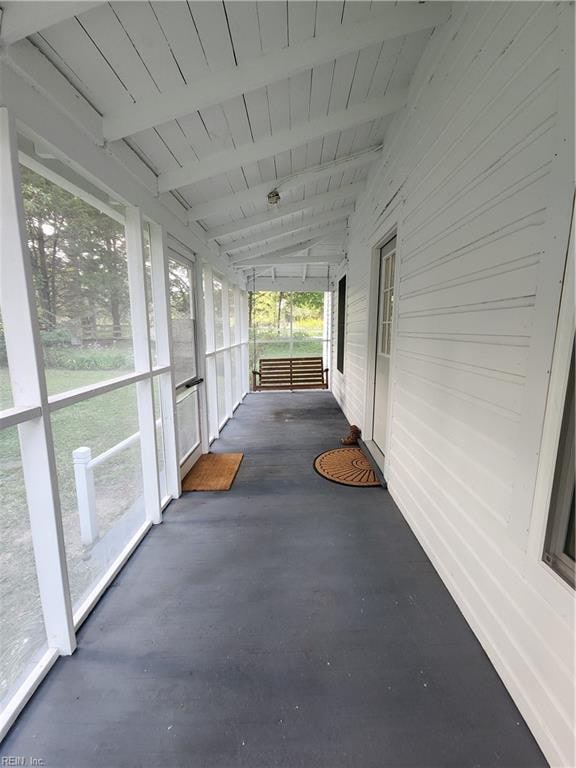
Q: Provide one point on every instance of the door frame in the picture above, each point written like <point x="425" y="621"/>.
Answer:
<point x="192" y="262"/>
<point x="381" y="459"/>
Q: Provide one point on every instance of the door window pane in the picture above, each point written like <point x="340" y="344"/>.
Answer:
<point x="22" y="634"/>
<point x="182" y="314"/>
<point x="97" y="447"/>
<point x="386" y="309"/>
<point x="187" y="416"/>
<point x="80" y="274"/>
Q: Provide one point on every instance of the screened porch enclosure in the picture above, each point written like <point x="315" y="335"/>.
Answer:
<point x="103" y="327"/>
<point x="287" y="325"/>
<point x="201" y="202"/>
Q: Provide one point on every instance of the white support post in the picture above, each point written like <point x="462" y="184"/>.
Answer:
<point x="201" y="357"/>
<point x="245" y="338"/>
<point x="142" y="363"/>
<point x="227" y="360"/>
<point x="85" y="495"/>
<point x="25" y="362"/>
<point x="210" y="336"/>
<point x="239" y="391"/>
<point x="161" y="301"/>
<point x="209" y="309"/>
<point x="326" y="329"/>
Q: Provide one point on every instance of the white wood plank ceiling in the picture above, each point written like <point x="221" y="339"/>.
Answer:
<point x="225" y="101"/>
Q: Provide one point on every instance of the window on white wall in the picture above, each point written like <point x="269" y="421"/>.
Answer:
<point x="341" y="329"/>
<point x="560" y="535"/>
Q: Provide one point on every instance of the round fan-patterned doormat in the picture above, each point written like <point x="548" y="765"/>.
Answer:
<point x="347" y="466"/>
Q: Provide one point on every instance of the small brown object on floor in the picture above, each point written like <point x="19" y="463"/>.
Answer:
<point x="353" y="436"/>
<point x="213" y="472"/>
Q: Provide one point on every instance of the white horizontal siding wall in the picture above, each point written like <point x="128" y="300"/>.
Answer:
<point x="477" y="176"/>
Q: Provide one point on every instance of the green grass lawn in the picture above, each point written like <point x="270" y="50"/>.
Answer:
<point x="99" y="423"/>
<point x="57" y="380"/>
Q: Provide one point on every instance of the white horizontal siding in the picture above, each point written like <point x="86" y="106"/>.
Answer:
<point x="477" y="178"/>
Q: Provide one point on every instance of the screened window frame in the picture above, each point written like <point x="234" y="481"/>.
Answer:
<point x="33" y="407"/>
<point x="235" y="388"/>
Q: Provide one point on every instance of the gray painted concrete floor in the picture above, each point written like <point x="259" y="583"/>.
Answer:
<point x="290" y="622"/>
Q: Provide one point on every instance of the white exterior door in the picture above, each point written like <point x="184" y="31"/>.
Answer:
<point x="383" y="342"/>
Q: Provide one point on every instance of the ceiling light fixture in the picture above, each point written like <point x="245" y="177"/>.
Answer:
<point x="273" y="197"/>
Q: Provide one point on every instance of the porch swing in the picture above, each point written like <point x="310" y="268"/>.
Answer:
<point x="288" y="373"/>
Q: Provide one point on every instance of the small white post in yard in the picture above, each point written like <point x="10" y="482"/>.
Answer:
<point x="86" y="495"/>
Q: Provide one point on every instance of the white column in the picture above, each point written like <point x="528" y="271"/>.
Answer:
<point x="245" y="338"/>
<point x="201" y="356"/>
<point x="160" y="297"/>
<point x="210" y="336"/>
<point x="227" y="361"/>
<point x="26" y="366"/>
<point x="209" y="309"/>
<point x="142" y="362"/>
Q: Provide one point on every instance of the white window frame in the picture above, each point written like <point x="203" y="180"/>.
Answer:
<point x="33" y="406"/>
<point x="235" y="390"/>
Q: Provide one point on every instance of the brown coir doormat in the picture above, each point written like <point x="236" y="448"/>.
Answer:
<point x="213" y="472"/>
<point x="347" y="466"/>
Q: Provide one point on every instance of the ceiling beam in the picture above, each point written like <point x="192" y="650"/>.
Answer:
<point x="278" y="65"/>
<point x="348" y="191"/>
<point x="257" y="194"/>
<point x="29" y="63"/>
<point x="280" y="231"/>
<point x="275" y="257"/>
<point x="293" y="283"/>
<point x="230" y="159"/>
<point x="299" y="241"/>
<point x="298" y="259"/>
<point x="21" y="19"/>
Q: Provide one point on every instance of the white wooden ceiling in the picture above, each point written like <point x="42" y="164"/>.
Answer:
<point x="197" y="90"/>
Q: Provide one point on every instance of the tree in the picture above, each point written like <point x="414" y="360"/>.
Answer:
<point x="78" y="258"/>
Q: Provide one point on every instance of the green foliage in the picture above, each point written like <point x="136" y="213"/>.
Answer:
<point x="88" y="359"/>
<point x="3" y="356"/>
<point x="279" y="314"/>
<point x="78" y="258"/>
<point x="312" y="302"/>
<point x="57" y="337"/>
<point x="179" y="286"/>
